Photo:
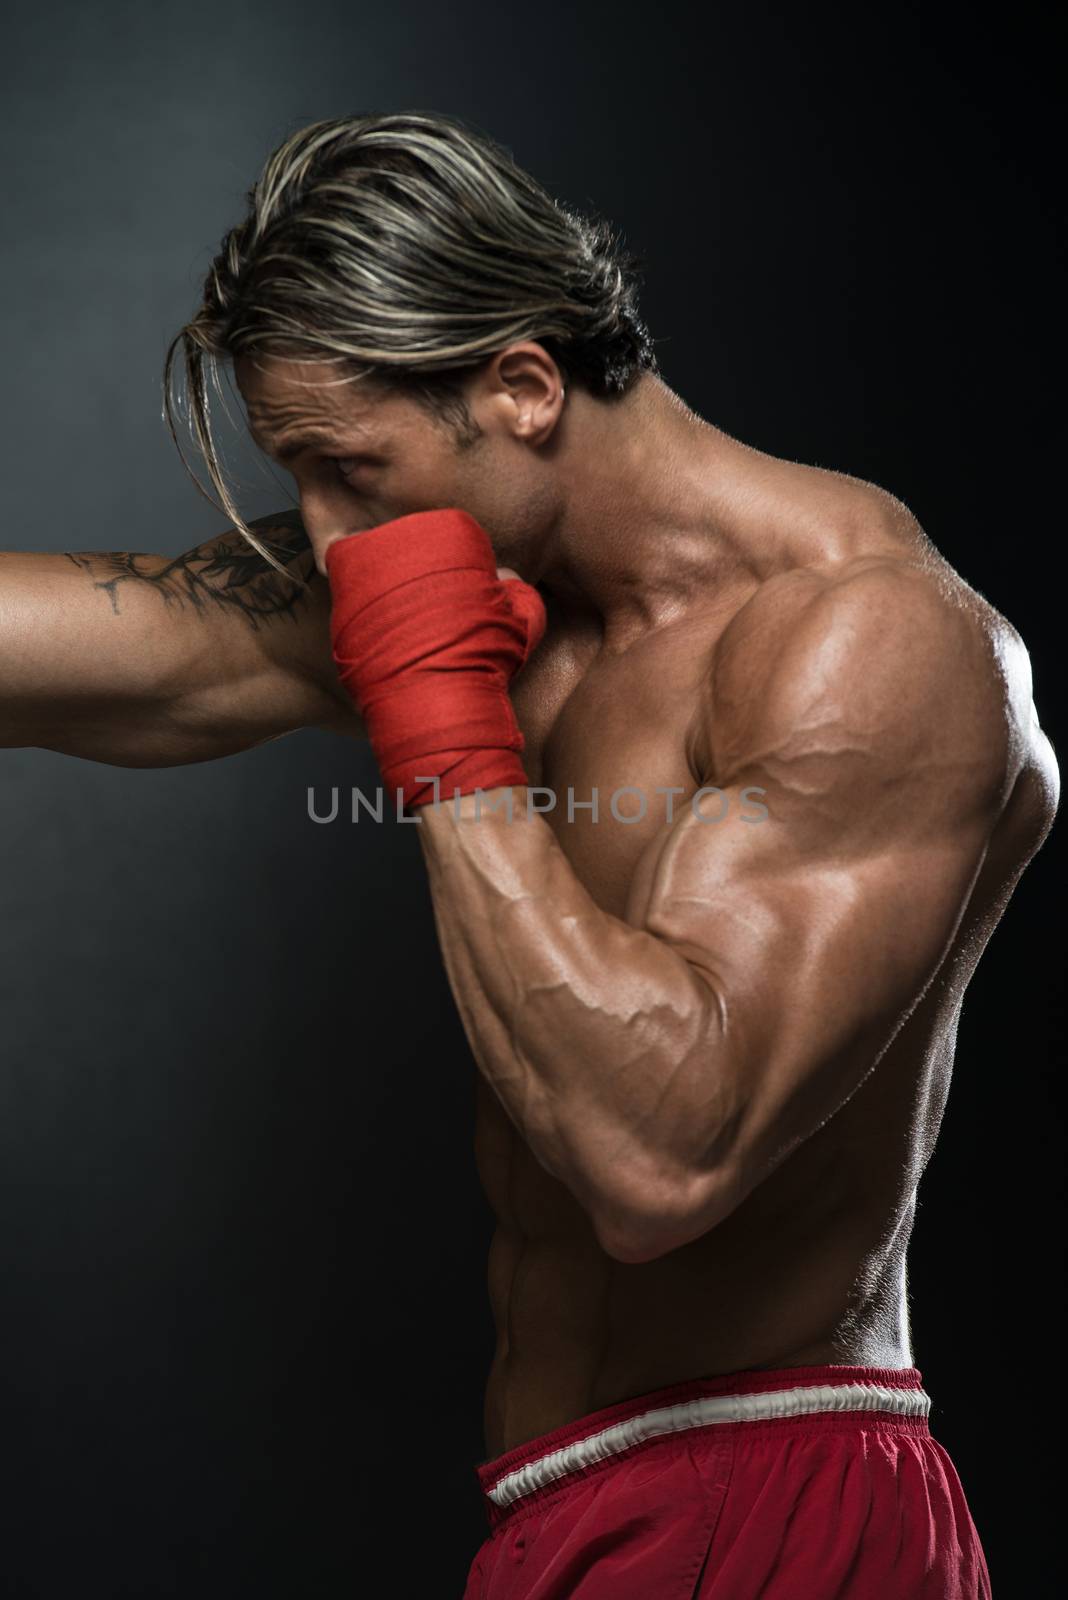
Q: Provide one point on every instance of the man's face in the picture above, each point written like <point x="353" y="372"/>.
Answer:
<point x="362" y="456"/>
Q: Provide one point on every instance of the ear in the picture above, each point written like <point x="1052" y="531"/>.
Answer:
<point x="526" y="383"/>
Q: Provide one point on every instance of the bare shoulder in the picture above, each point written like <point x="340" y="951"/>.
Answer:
<point x="886" y="656"/>
<point x="884" y="646"/>
<point x="1003" y="664"/>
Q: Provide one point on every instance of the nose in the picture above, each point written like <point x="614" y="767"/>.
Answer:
<point x="322" y="545"/>
<point x="324" y="527"/>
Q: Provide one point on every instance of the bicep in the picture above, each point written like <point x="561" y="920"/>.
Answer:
<point x="881" y="753"/>
<point x="815" y="958"/>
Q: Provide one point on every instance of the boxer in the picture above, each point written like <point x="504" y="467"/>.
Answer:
<point x="712" y="1056"/>
<point x="723" y="778"/>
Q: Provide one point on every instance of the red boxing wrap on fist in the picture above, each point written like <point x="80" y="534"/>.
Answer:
<point x="426" y="639"/>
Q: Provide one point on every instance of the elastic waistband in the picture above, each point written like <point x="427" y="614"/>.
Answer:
<point x="736" y="1399"/>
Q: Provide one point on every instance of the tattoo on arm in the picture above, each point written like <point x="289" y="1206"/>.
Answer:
<point x="225" y="572"/>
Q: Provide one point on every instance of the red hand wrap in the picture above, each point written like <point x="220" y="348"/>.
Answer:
<point x="426" y="638"/>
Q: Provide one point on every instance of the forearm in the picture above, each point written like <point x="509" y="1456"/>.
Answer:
<point x="597" y="1036"/>
<point x="146" y="660"/>
<point x="594" y="1034"/>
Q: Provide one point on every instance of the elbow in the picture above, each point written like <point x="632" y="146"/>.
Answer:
<point x="633" y="1247"/>
<point x="627" y="1243"/>
<point x="639" y="1234"/>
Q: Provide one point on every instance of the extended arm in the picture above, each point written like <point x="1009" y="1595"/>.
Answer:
<point x="147" y="660"/>
<point x="663" y="1064"/>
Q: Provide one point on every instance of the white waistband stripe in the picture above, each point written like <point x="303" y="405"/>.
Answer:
<point x="701" y="1413"/>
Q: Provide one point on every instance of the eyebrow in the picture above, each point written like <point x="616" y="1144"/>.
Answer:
<point x="306" y="440"/>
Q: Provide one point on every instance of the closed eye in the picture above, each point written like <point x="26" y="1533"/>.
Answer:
<point x="347" y="465"/>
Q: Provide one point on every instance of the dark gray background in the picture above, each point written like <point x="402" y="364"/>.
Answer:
<point x="243" y="1318"/>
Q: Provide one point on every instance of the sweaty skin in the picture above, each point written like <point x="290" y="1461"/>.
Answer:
<point x="686" y="1019"/>
<point x="712" y="1058"/>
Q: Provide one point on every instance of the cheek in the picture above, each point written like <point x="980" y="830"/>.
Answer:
<point x="522" y="506"/>
<point x="501" y="495"/>
<point x="425" y="486"/>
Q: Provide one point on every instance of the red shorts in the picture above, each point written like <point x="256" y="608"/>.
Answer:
<point x="798" y="1483"/>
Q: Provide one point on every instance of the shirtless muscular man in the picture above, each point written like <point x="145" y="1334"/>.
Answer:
<point x="580" y="626"/>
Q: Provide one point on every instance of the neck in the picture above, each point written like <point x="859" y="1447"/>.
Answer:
<point x="646" y="523"/>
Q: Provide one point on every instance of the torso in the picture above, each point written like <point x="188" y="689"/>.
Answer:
<point x="810" y="1268"/>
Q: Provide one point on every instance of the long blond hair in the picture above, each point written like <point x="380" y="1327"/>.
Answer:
<point x="406" y="248"/>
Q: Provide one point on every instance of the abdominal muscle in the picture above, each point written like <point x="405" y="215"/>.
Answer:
<point x="810" y="1269"/>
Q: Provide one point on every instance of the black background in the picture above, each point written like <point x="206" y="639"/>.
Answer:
<point x="243" y="1314"/>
